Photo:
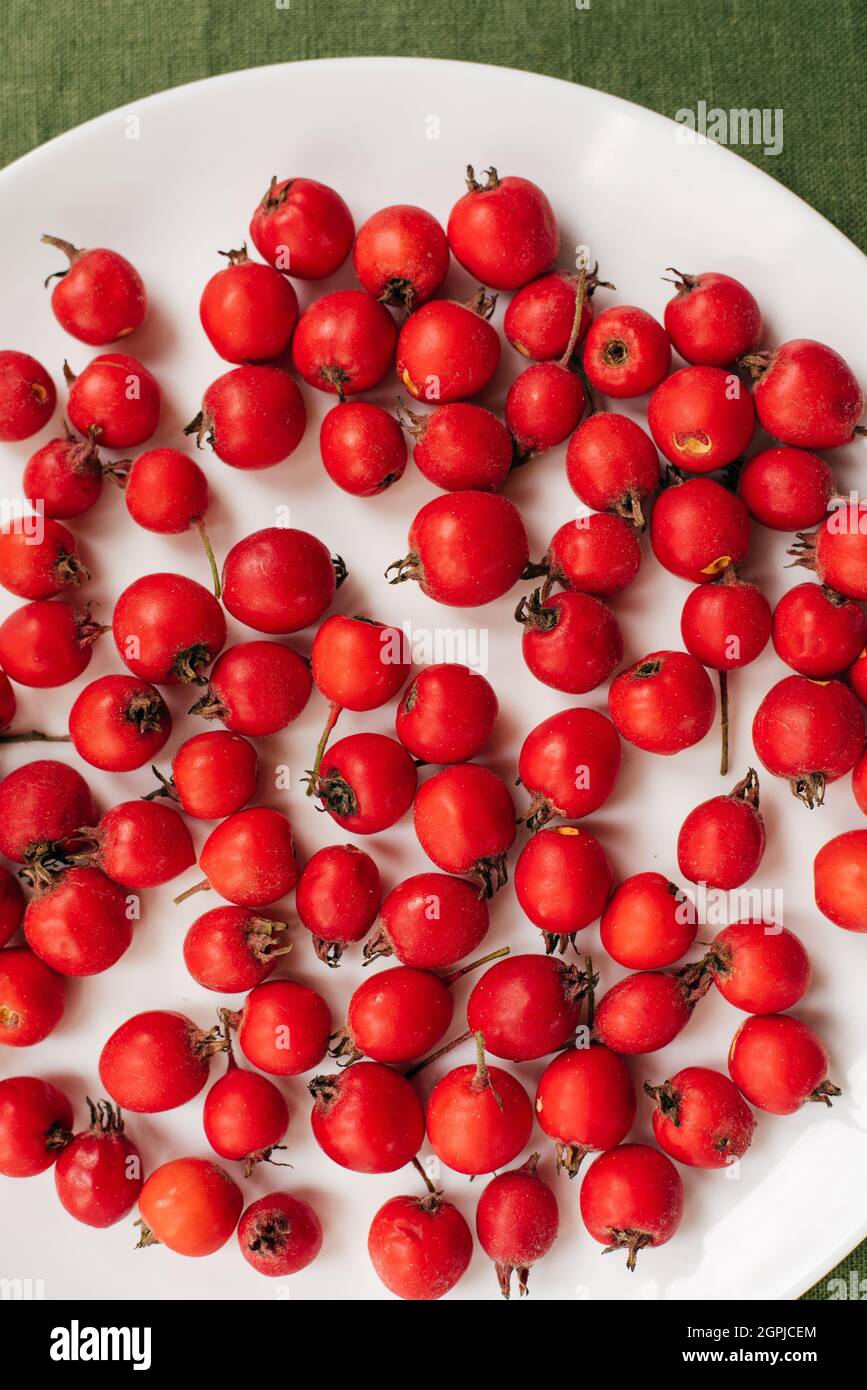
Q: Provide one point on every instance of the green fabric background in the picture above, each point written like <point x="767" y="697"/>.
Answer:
<point x="68" y="60"/>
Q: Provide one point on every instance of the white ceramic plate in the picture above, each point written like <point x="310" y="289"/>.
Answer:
<point x="621" y="183"/>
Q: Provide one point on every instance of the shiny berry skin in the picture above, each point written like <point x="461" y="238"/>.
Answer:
<point x="809" y="732"/>
<point x="585" y="1101"/>
<point x="367" y="1119"/>
<point x="166" y="491"/>
<point x="504" y="231"/>
<point x="279" y="1234"/>
<point x="344" y="343"/>
<point x="230" y="949"/>
<point x="712" y="319"/>
<point x="41" y="803"/>
<point x="35" y="1123"/>
<point x="155" y="1061"/>
<point x="249" y="858"/>
<point x="252" y="417"/>
<point x="357" y="663"/>
<point x="571" y="642"/>
<point x="817" y="632"/>
<point x="786" y="489"/>
<point x="213" y="775"/>
<point x="517" y="1221"/>
<point x="465" y="822"/>
<point x="284" y="1027"/>
<point x="806" y="395"/>
<point x="626" y="352"/>
<point x="701" y="418"/>
<point x="631" y="1198"/>
<point x="759" y="966"/>
<point x="446" y="714"/>
<point x="12" y="904"/>
<point x="569" y="764"/>
<point x="448" y="351"/>
<point x="45" y="643"/>
<point x="698" y="529"/>
<point x="726" y="623"/>
<point x="465" y="549"/>
<point x="278" y="580"/>
<point x="395" y="1016"/>
<point x="543" y="407"/>
<point x="167" y="628"/>
<point x="541" y="316"/>
<point x="777" y="1062"/>
<point x="117" y="395"/>
<point x="248" y="311"/>
<point x="526" y="1007"/>
<point x="244" y="1116"/>
<point x="701" y="1119"/>
<point x="837" y="551"/>
<point x="429" y="921"/>
<point x="647" y="923"/>
<point x="664" y="703"/>
<point x="27" y="396"/>
<point x="119" y="723"/>
<point x="859" y="783"/>
<point x="8" y="703"/>
<point x="65" y="475"/>
<point x="256" y="688"/>
<point x="478" y="1117"/>
<point x="39" y="565"/>
<point x="721" y="842"/>
<point x="32" y="998"/>
<point x="362" y="447"/>
<point x="338" y="898"/>
<point x="98" y="1174"/>
<point x="366" y="782"/>
<point x="80" y="925"/>
<point x="303" y="228"/>
<point x="419" y="1246"/>
<point x="401" y="256"/>
<point x="612" y="465"/>
<point x="100" y="297"/>
<point x="190" y="1205"/>
<point x="460" y="447"/>
<point x="643" y="1012"/>
<point x="562" y="882"/>
<point x="597" y="554"/>
<point x="142" y="844"/>
<point x="839" y="879"/>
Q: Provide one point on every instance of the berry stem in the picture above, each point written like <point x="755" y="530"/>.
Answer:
<point x="482" y="1079"/>
<point x="62" y="245"/>
<point x="474" y="965"/>
<point x="424" y="1177"/>
<point x="580" y="293"/>
<point x="435" y="1056"/>
<point x="724" y="721"/>
<point x="33" y="736"/>
<point x="333" y="716"/>
<point x="215" y="573"/>
<point x="590" y="982"/>
<point x="166" y="787"/>
<point x="188" y="893"/>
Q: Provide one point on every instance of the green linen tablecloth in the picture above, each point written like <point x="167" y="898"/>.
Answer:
<point x="68" y="60"/>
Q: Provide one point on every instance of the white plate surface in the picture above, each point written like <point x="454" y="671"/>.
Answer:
<point x="622" y="184"/>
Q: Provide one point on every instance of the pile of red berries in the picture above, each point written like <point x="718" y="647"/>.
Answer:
<point x="466" y="547"/>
